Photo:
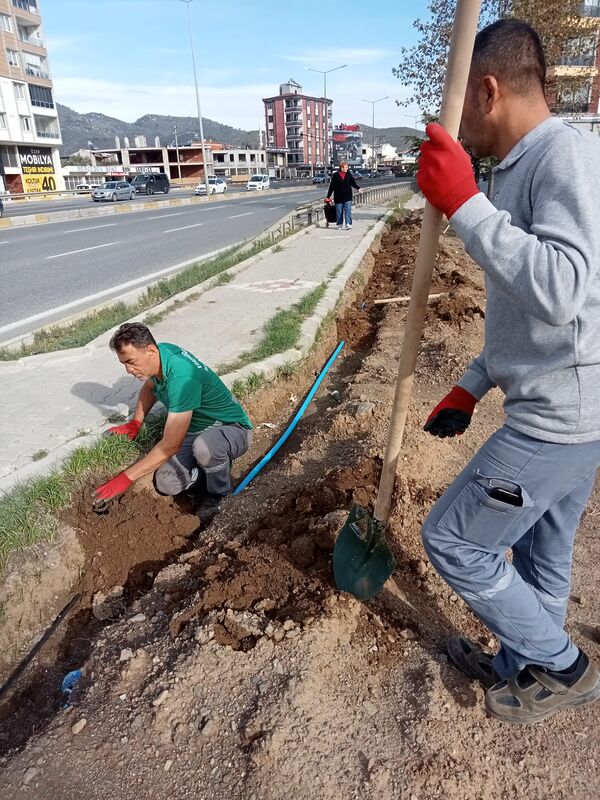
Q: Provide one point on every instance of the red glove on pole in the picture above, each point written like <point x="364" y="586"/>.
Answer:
<point x="113" y="487"/>
<point x="445" y="174"/>
<point x="452" y="415"/>
<point x="131" y="429"/>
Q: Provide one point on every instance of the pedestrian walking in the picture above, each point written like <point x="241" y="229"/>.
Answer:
<point x="538" y="245"/>
<point x="341" y="185"/>
<point x="1" y="207"/>
<point x="205" y="430"/>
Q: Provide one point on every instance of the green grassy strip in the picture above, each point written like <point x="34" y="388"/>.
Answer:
<point x="28" y="513"/>
<point x="87" y="328"/>
<point x="281" y="332"/>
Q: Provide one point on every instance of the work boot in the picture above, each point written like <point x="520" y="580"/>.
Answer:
<point x="472" y="660"/>
<point x="535" y="693"/>
<point x="210" y="507"/>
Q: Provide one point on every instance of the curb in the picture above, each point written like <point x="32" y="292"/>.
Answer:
<point x="114" y="208"/>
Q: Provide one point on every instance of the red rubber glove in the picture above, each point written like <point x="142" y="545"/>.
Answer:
<point x="452" y="415"/>
<point x="445" y="174"/>
<point x="131" y="429"/>
<point x="113" y="487"/>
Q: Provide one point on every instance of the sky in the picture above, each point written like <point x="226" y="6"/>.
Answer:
<point x="127" y="58"/>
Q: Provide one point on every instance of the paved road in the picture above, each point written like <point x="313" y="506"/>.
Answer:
<point x="49" y="272"/>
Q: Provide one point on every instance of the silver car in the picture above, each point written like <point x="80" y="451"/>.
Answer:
<point x="113" y="191"/>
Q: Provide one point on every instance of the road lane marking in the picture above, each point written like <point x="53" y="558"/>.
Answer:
<point x="116" y="290"/>
<point x="83" y="250"/>
<point x="250" y="203"/>
<point x="272" y="208"/>
<point x="246" y="214"/>
<point x="160" y="216"/>
<point x="91" y="227"/>
<point x="4" y="243"/>
<point x="185" y="227"/>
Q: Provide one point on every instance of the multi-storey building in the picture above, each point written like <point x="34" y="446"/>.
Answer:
<point x="29" y="128"/>
<point x="577" y="78"/>
<point x="299" y="126"/>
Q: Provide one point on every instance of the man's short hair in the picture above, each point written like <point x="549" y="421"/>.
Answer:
<point x="511" y="51"/>
<point x="133" y="333"/>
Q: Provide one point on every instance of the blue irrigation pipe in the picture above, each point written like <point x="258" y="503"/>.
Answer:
<point x="266" y="458"/>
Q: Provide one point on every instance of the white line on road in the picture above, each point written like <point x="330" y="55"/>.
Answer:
<point x="83" y="250"/>
<point x="250" y="203"/>
<point x="116" y="290"/>
<point x="246" y="214"/>
<point x="160" y="216"/>
<point x="185" y="227"/>
<point x="272" y="208"/>
<point x="4" y="242"/>
<point x="91" y="227"/>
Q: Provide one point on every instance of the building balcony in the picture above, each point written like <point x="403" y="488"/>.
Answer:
<point x="47" y="134"/>
<point x="569" y="71"/>
<point x="26" y="5"/>
<point x="568" y="109"/>
<point x="579" y="61"/>
<point x="34" y="41"/>
<point x="37" y="73"/>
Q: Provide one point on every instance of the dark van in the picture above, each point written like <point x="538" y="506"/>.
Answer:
<point x="151" y="182"/>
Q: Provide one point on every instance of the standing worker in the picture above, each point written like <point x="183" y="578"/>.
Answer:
<point x="205" y="430"/>
<point x="340" y="187"/>
<point x="539" y="248"/>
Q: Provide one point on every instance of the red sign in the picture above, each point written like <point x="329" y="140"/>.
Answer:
<point x="342" y="127"/>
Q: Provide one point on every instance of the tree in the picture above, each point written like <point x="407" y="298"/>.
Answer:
<point x="565" y="35"/>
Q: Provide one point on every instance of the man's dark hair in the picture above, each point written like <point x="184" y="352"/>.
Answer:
<point x="133" y="333"/>
<point x="511" y="51"/>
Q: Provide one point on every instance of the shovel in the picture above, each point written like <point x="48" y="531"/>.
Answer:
<point x="362" y="557"/>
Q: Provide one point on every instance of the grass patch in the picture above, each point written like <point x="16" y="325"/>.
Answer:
<point x="89" y="327"/>
<point x="28" y="512"/>
<point x="281" y="332"/>
<point x="335" y="271"/>
<point x="242" y="388"/>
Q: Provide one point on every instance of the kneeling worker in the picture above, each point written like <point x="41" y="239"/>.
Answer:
<point x="205" y="430"/>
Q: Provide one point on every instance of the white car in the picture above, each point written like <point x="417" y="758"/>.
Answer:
<point x="215" y="186"/>
<point x="258" y="182"/>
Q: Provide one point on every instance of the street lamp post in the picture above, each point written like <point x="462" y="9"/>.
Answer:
<point x="325" y="73"/>
<point x="177" y="151"/>
<point x="373" y="158"/>
<point x="204" y="165"/>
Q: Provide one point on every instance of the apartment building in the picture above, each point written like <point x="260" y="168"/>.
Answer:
<point x="29" y="128"/>
<point x="577" y="77"/>
<point x="300" y="126"/>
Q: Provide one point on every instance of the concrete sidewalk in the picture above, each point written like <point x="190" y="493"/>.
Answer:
<point x="55" y="402"/>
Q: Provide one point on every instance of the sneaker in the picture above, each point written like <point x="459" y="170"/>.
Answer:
<point x="339" y="227"/>
<point x="535" y="693"/>
<point x="209" y="508"/>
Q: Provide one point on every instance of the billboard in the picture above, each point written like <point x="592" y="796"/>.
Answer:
<point x="37" y="169"/>
<point x="347" y="145"/>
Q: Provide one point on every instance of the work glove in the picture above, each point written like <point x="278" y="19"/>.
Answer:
<point x="131" y="429"/>
<point x="113" y="487"/>
<point x="452" y="415"/>
<point x="445" y="174"/>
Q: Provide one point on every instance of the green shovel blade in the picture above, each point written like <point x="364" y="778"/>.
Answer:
<point x="362" y="559"/>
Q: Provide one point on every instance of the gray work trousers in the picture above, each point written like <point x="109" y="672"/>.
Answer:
<point x="470" y="528"/>
<point x="211" y="450"/>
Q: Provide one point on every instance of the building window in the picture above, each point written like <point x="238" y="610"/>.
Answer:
<point x="46" y="128"/>
<point x="252" y="157"/>
<point x="13" y="58"/>
<point x="231" y="157"/>
<point x="242" y="157"/>
<point x="26" y="5"/>
<point x="41" y="96"/>
<point x="5" y="23"/>
<point x="19" y="91"/>
<point x="25" y="124"/>
<point x="2" y="120"/>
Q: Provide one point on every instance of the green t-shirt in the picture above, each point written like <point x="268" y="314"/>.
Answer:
<point x="189" y="385"/>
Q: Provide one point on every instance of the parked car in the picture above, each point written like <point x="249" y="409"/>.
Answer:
<point x="151" y="182"/>
<point x="320" y="178"/>
<point x="215" y="186"/>
<point x="258" y="183"/>
<point x="113" y="190"/>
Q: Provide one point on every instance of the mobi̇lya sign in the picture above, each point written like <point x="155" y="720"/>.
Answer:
<point x="37" y="169"/>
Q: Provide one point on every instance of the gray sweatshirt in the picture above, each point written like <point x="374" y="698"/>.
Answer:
<point x="539" y="247"/>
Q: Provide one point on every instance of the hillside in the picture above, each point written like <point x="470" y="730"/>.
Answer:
<point x="79" y="129"/>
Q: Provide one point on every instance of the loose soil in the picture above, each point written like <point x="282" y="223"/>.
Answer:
<point x="229" y="667"/>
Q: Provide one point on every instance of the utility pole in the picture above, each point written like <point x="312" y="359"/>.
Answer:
<point x="325" y="73"/>
<point x="373" y="158"/>
<point x="177" y="151"/>
<point x="204" y="164"/>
